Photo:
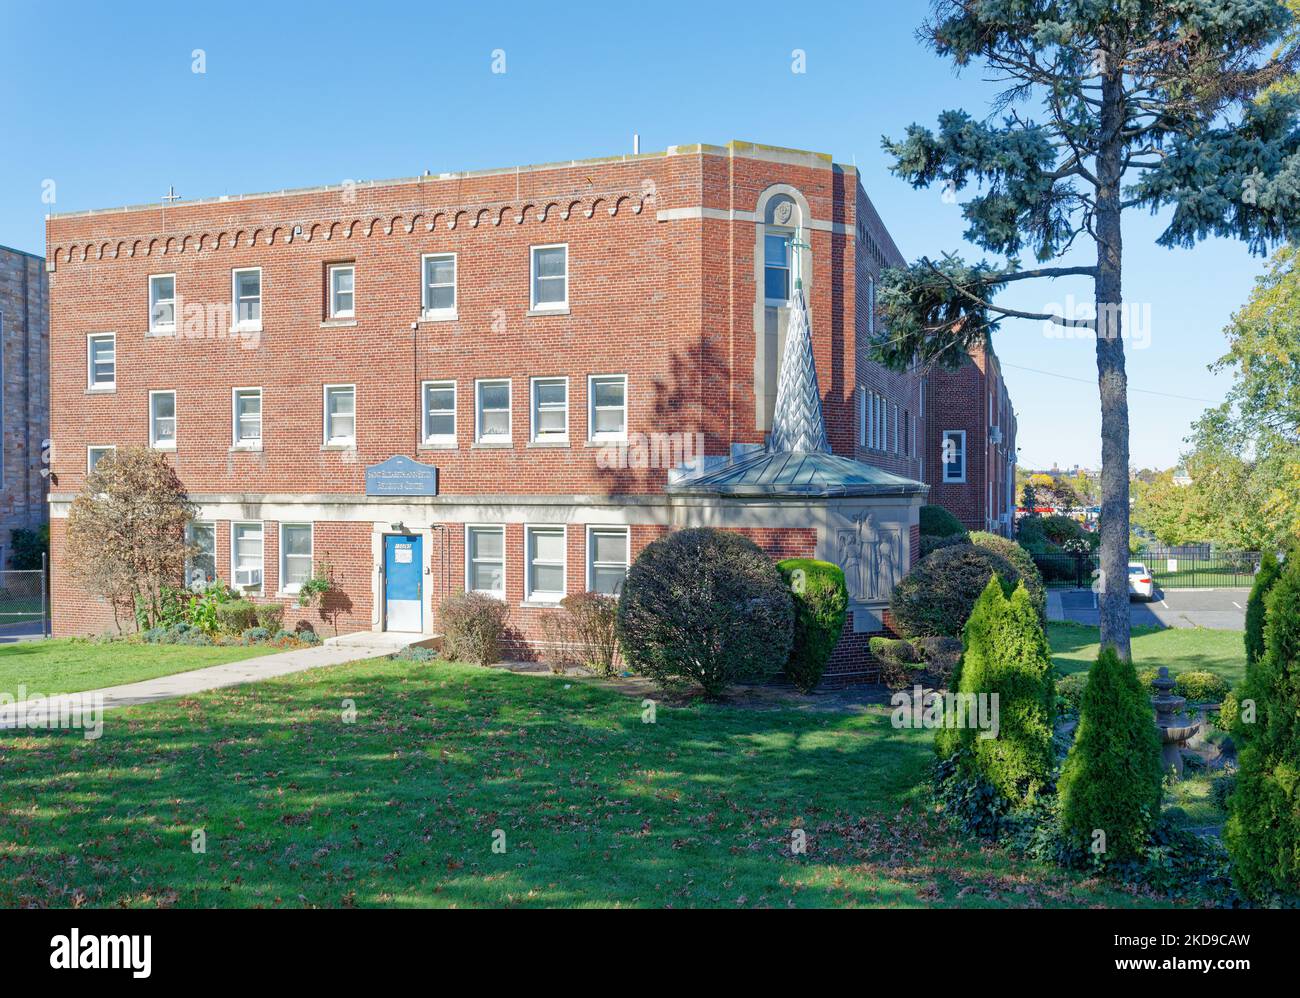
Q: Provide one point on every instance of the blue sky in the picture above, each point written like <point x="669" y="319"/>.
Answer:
<point x="293" y="95"/>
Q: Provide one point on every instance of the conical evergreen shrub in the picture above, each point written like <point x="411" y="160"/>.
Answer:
<point x="1110" y="782"/>
<point x="1007" y="656"/>
<point x="1263" y="829"/>
<point x="1269" y="572"/>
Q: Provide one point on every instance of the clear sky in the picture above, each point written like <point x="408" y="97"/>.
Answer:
<point x="103" y="102"/>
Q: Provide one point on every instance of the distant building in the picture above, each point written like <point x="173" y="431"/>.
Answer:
<point x="970" y="444"/>
<point x="24" y="393"/>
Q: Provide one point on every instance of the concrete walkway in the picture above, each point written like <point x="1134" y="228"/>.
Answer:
<point x="334" y="651"/>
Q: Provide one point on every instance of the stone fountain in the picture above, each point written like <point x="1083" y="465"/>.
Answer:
<point x="1174" y="727"/>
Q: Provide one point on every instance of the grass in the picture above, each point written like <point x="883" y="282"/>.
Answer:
<point x="402" y="806"/>
<point x="69" y="665"/>
<point x="1183" y="649"/>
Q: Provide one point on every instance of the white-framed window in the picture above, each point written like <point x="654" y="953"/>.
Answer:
<point x="862" y="417"/>
<point x="342" y="283"/>
<point x="162" y="303"/>
<point x="485" y="560"/>
<point x="95" y="453"/>
<point x="439" y="283"/>
<point x="550" y="277"/>
<point x="952" y="455"/>
<point x="340" y="415"/>
<point x="546" y="556"/>
<point x="607" y="559"/>
<point x="295" y="556"/>
<point x="162" y="420"/>
<point x="201" y="563"/>
<point x="246" y="297"/>
<point x="776" y="266"/>
<point x="871" y="306"/>
<point x="550" y="409"/>
<point x="246" y="418"/>
<point x="882" y="431"/>
<point x="871" y="420"/>
<point x="607" y="407"/>
<point x="492" y="410"/>
<point x="101" y="361"/>
<point x="439" y="413"/>
<point x="246" y="555"/>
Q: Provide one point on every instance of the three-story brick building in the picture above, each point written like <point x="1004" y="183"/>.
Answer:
<point x="503" y="380"/>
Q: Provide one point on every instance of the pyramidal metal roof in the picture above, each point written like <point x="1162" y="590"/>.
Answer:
<point x="797" y="462"/>
<point x="777" y="474"/>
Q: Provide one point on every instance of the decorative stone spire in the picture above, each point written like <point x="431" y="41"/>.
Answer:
<point x="797" y="426"/>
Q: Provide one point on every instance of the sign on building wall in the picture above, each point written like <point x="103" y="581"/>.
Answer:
<point x="400" y="476"/>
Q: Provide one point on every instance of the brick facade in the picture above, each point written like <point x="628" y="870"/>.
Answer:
<point x="24" y="400"/>
<point x="973" y="399"/>
<point x="664" y="286"/>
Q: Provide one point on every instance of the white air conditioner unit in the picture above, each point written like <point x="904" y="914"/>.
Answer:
<point x="995" y="434"/>
<point x="248" y="577"/>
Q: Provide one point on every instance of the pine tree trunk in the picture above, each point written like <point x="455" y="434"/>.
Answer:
<point x="1111" y="378"/>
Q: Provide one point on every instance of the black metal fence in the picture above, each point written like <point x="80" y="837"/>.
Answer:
<point x="1187" y="567"/>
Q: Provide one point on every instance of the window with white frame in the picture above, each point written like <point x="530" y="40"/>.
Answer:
<point x="546" y="558"/>
<point x="162" y="303"/>
<point x="439" y="285"/>
<point x="871" y="420"/>
<point x="246" y="287"/>
<point x="340" y="415"/>
<point x="101" y="361"/>
<point x="295" y="556"/>
<point x="862" y="417"/>
<point x="550" y="277"/>
<point x="953" y="455"/>
<point x="607" y="559"/>
<point x="607" y="407"/>
<point x="485" y="560"/>
<point x="95" y="454"/>
<point x="492" y="411"/>
<point x="246" y="555"/>
<point x="882" y="431"/>
<point x="246" y="416"/>
<point x="776" y="267"/>
<point x="162" y="420"/>
<point x="550" y="416"/>
<point x="440" y="413"/>
<point x="201" y="561"/>
<point x="871" y="306"/>
<point x="342" y="291"/>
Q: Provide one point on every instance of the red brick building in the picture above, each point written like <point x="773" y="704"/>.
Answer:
<point x="970" y="448"/>
<point x="562" y="345"/>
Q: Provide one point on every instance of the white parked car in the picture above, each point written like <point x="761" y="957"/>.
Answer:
<point x="1140" y="583"/>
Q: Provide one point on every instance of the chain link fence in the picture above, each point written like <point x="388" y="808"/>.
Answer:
<point x="23" y="606"/>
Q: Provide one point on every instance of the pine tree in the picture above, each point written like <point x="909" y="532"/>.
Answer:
<point x="1111" y="780"/>
<point x="1109" y="109"/>
<point x="1263" y="829"/>
<point x="1269" y="572"/>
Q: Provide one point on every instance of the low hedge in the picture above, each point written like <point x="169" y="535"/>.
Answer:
<point x="936" y="596"/>
<point x="938" y="522"/>
<point x="236" y="616"/>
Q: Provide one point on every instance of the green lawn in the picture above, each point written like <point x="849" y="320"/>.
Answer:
<point x="68" y="665"/>
<point x="399" y="807"/>
<point x="1183" y="649"/>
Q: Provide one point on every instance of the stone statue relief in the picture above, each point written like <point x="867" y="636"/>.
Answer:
<point x="871" y="557"/>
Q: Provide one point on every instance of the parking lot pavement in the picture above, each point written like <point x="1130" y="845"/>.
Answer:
<point x="1219" y="609"/>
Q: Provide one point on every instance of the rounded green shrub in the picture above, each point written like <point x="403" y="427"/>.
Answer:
<point x="938" y="522"/>
<point x="1069" y="691"/>
<point x="936" y="596"/>
<point x="705" y="607"/>
<point x="236" y="616"/>
<point x="270" y="616"/>
<point x="931" y="543"/>
<point x="1111" y="780"/>
<point x="256" y="635"/>
<point x="1201" y="687"/>
<point x="1030" y="576"/>
<point x="821" y="602"/>
<point x="473" y="626"/>
<point x="898" y="660"/>
<point x="1263" y="830"/>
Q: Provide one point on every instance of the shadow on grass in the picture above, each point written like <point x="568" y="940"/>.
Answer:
<point x="403" y="805"/>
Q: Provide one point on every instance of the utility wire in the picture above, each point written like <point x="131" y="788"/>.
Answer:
<point x="1089" y="381"/>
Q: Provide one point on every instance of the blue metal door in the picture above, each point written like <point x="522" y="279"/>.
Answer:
<point x="403" y="583"/>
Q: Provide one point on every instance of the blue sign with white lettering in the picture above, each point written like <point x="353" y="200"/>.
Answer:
<point x="400" y="476"/>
